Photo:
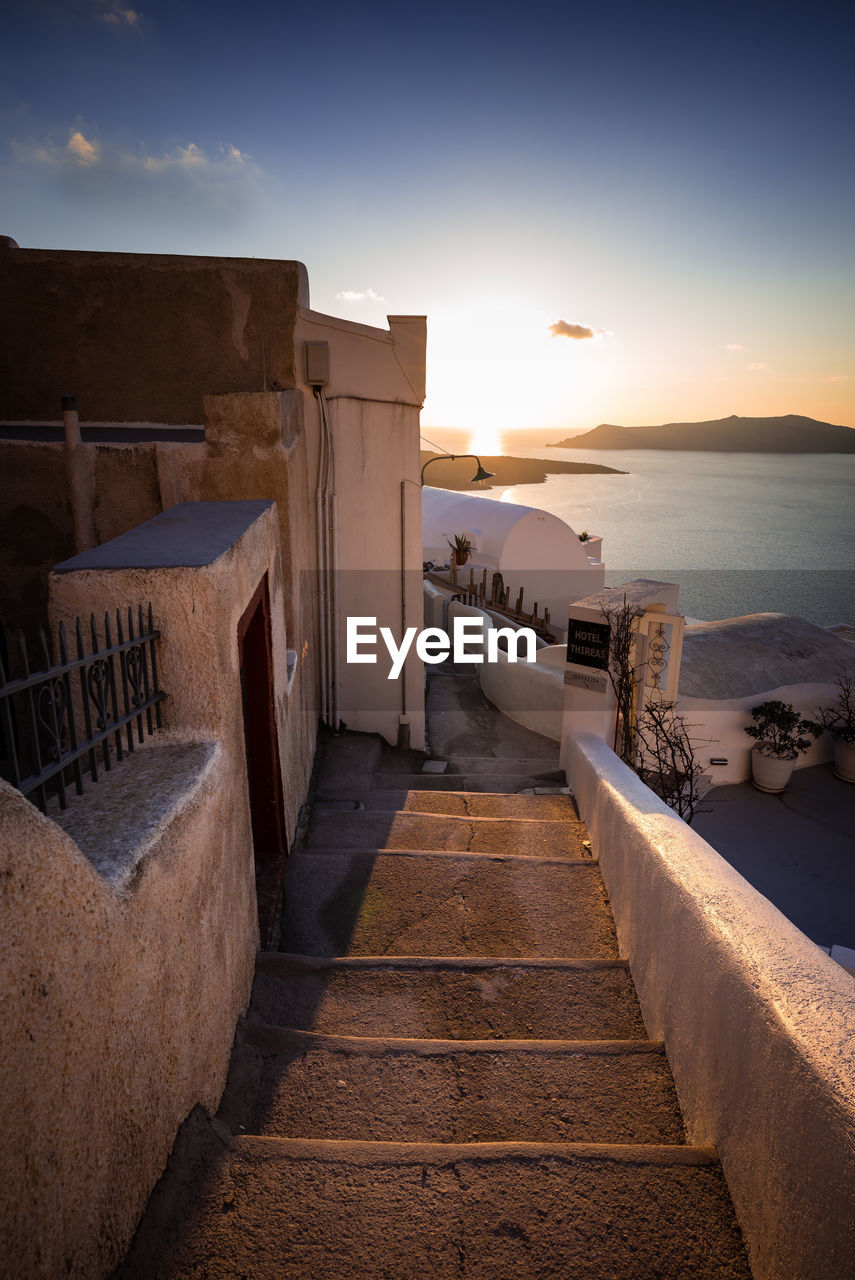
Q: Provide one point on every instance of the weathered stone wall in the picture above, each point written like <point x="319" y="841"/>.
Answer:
<point x="257" y="448"/>
<point x="36" y="529"/>
<point x="257" y="444"/>
<point x="198" y="611"/>
<point x="121" y="986"/>
<point x="758" y="1024"/>
<point x="142" y="337"/>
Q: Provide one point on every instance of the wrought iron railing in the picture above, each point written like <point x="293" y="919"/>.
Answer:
<point x="79" y="713"/>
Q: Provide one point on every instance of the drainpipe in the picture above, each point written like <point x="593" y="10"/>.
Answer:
<point x="79" y="479"/>
<point x="327" y="536"/>
<point x="404" y="717"/>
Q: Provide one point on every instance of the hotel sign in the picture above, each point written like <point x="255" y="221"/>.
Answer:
<point x="588" y="644"/>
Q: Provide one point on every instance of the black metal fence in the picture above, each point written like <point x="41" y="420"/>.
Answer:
<point x="80" y="713"/>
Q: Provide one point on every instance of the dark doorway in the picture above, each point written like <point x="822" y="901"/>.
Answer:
<point x="262" y="757"/>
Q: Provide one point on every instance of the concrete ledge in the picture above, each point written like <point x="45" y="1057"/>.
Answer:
<point x="188" y="535"/>
<point x="119" y="820"/>
<point x="758" y="1024"/>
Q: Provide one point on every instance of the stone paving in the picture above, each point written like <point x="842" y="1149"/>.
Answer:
<point x="797" y="848"/>
<point x="444" y="1072"/>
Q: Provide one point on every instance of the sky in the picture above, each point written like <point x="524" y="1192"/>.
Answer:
<point x="633" y="213"/>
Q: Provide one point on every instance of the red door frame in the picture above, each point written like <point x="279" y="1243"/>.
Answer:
<point x="261" y="742"/>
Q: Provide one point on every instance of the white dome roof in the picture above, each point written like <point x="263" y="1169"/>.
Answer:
<point x="511" y="535"/>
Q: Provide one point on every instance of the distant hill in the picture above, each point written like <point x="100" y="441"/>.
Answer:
<point x="789" y="434"/>
<point x="507" y="470"/>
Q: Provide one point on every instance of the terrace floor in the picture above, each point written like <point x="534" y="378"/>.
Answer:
<point x="797" y="849"/>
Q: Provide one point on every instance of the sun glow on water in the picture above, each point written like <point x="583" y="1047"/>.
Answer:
<point x="486" y="440"/>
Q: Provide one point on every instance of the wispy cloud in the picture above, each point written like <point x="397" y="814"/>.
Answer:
<point x="117" y="15"/>
<point x="841" y="377"/>
<point x="564" y="329"/>
<point x="360" y="295"/>
<point x="758" y="364"/>
<point x="219" y="183"/>
<point x="83" y="150"/>
<point x="734" y="346"/>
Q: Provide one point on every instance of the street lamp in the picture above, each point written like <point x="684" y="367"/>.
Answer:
<point x="480" y="474"/>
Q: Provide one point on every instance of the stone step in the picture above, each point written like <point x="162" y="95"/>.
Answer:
<point x="507" y="783"/>
<point x="464" y="804"/>
<point x="535" y="766"/>
<point x="273" y="1207"/>
<point x="444" y="904"/>
<point x="452" y="999"/>
<point x="392" y="830"/>
<point x="298" y="1084"/>
<point x="345" y="763"/>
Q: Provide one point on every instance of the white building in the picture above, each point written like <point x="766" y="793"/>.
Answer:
<point x="532" y="549"/>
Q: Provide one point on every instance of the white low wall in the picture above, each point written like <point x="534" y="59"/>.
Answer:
<point x="458" y="610"/>
<point x="720" y="727"/>
<point x="759" y="1025"/>
<point x="434" y="605"/>
<point x="531" y="693"/>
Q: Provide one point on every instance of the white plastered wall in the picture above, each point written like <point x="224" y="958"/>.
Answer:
<point x="718" y="728"/>
<point x="374" y="398"/>
<point x="758" y="1024"/>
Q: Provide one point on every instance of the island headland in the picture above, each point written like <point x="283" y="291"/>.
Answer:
<point x="791" y="433"/>
<point x="457" y="474"/>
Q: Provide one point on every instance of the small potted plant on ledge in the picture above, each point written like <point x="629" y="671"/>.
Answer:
<point x="778" y="731"/>
<point x="839" y="720"/>
<point x="460" y="548"/>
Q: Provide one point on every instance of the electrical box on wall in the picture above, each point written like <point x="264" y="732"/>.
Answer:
<point x="317" y="363"/>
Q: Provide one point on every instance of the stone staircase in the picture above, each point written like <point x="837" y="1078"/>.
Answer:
<point x="445" y="1071"/>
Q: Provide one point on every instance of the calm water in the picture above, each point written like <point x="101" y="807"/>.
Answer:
<point x="741" y="533"/>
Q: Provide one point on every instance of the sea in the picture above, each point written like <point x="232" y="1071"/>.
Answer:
<point x="740" y="532"/>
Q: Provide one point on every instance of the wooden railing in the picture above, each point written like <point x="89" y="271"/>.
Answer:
<point x="493" y="595"/>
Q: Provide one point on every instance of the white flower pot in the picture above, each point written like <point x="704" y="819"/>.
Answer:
<point x="844" y="759"/>
<point x="770" y="773"/>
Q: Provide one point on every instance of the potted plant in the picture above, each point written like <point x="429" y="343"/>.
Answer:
<point x="839" y="721"/>
<point x="460" y="548"/>
<point x="778" y="731"/>
<point x="584" y="536"/>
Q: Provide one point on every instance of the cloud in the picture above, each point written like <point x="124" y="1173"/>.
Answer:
<point x="734" y="346"/>
<point x="841" y="377"/>
<point x="564" y="329"/>
<point x="355" y="295"/>
<point x="219" y="183"/>
<point x="86" y="153"/>
<point x="82" y="150"/>
<point x="189" y="157"/>
<point x="758" y="364"/>
<point x="116" y="15"/>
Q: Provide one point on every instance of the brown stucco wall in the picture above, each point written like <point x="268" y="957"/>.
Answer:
<point x="120" y="993"/>
<point x="118" y="1015"/>
<point x="256" y="448"/>
<point x="35" y="529"/>
<point x="141" y="337"/>
<point x="198" y="611"/>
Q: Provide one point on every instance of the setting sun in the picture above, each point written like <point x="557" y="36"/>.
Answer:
<point x="495" y="365"/>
